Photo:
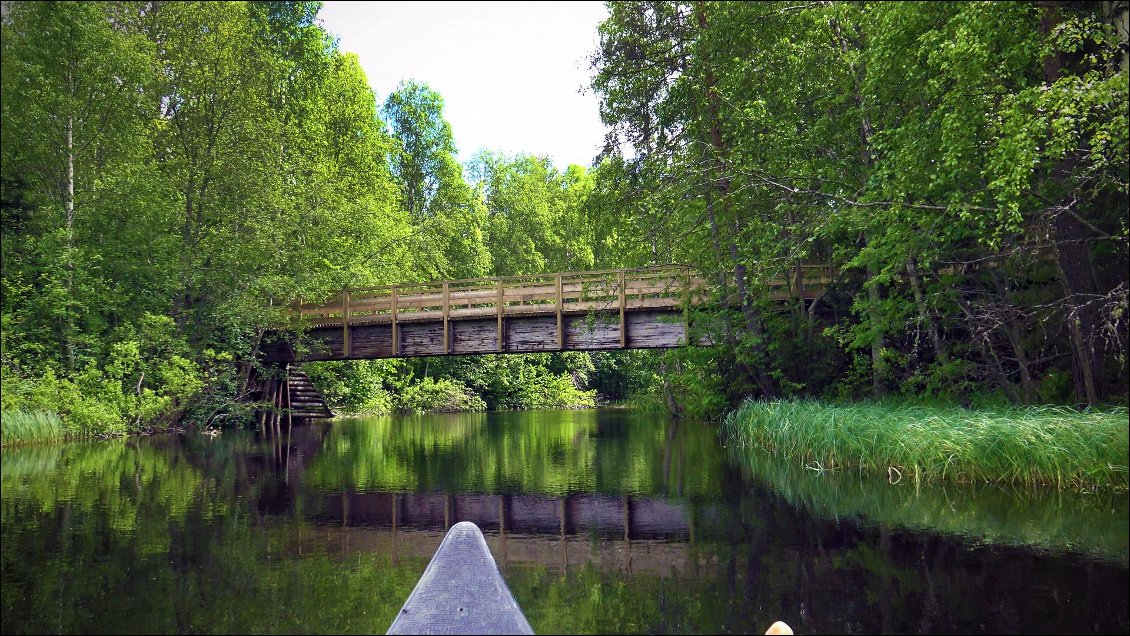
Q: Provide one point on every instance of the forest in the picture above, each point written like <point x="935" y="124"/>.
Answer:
<point x="176" y="175"/>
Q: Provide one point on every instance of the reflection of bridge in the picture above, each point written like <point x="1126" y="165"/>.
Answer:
<point x="651" y="535"/>
<point x="629" y="517"/>
<point x="570" y="552"/>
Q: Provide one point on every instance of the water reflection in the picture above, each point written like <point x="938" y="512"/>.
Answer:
<point x="1093" y="525"/>
<point x="602" y="522"/>
<point x="548" y="452"/>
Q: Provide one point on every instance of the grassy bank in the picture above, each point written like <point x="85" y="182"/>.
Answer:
<point x="1054" y="446"/>
<point x="22" y="427"/>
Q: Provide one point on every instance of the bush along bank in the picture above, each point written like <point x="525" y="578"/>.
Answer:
<point x="1033" y="446"/>
<point x="467" y="383"/>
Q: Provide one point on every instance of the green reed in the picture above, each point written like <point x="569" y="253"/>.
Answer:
<point x="1035" y="445"/>
<point x="21" y="427"/>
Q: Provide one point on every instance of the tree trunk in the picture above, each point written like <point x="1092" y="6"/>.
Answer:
<point x="1015" y="338"/>
<point x="69" y="204"/>
<point x="1073" y="256"/>
<point x="722" y="186"/>
<point x="878" y="366"/>
<point x="924" y="314"/>
<point x="981" y="339"/>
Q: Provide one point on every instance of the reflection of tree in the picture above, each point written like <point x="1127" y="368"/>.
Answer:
<point x="550" y="452"/>
<point x="129" y="536"/>
<point x="106" y="482"/>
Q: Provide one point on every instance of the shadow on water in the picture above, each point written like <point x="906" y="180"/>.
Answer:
<point x="601" y="521"/>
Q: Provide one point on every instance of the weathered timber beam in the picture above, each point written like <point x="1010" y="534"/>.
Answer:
<point x="395" y="330"/>
<point x="623" y="325"/>
<point x="345" y="319"/>
<point x="499" y="307"/>
<point x="446" y="317"/>
<point x="560" y="327"/>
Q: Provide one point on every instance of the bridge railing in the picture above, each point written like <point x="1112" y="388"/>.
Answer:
<point x="570" y="292"/>
<point x="661" y="287"/>
<point x="802" y="281"/>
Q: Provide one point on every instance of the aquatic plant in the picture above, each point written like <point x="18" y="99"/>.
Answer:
<point x="17" y="427"/>
<point x="1035" y="445"/>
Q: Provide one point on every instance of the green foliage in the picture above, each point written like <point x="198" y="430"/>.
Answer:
<point x="173" y="177"/>
<point x="439" y="396"/>
<point x="536" y="215"/>
<point x="964" y="167"/>
<point x="617" y="375"/>
<point x="447" y="217"/>
<point x="360" y="386"/>
<point x="554" y="392"/>
<point x="472" y="383"/>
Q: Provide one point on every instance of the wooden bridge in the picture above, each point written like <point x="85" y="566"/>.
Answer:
<point x="643" y="308"/>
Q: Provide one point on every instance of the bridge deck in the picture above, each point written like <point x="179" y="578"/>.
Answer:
<point x="613" y="309"/>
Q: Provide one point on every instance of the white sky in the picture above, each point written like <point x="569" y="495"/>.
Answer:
<point x="509" y="72"/>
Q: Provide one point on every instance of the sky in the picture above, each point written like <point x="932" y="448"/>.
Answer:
<point x="510" y="73"/>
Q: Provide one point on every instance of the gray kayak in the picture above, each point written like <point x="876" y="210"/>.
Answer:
<point x="461" y="592"/>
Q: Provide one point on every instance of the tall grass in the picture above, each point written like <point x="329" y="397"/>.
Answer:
<point x="1042" y="445"/>
<point x="20" y="427"/>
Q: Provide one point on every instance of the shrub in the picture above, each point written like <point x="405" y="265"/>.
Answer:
<point x="549" y="391"/>
<point x="437" y="396"/>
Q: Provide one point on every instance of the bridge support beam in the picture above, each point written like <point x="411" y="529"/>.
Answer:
<point x="345" y="319"/>
<point x="395" y="331"/>
<point x="499" y="305"/>
<point x="560" y="323"/>
<point x="623" y="299"/>
<point x="446" y="318"/>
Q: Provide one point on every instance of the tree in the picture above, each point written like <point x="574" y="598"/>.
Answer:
<point x="446" y="216"/>
<point x="74" y="101"/>
<point x="938" y="154"/>
<point x="535" y="214"/>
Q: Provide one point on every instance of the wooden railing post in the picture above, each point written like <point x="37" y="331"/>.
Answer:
<point x="560" y="324"/>
<point x="498" y="310"/>
<point x="446" y="314"/>
<point x="687" y="305"/>
<point x="623" y="333"/>
<point x="345" y="319"/>
<point x="395" y="330"/>
<point x="799" y="276"/>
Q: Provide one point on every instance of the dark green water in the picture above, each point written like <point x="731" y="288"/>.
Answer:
<point x="601" y="522"/>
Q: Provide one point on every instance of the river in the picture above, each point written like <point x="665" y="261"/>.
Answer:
<point x="601" y="522"/>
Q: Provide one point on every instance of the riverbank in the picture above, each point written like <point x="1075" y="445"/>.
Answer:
<point x="20" y="428"/>
<point x="1032" y="446"/>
